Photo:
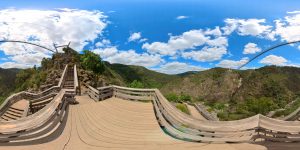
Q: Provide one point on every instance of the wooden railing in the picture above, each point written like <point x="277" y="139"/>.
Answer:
<point x="133" y="93"/>
<point x="31" y="96"/>
<point x="100" y="93"/>
<point x="43" y="121"/>
<point x="186" y="127"/>
<point x="205" y="113"/>
<point x="76" y="82"/>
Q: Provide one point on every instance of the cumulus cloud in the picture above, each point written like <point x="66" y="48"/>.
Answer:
<point x="252" y="27"/>
<point x="182" y="17"/>
<point x="46" y="27"/>
<point x="274" y="60"/>
<point x="232" y="63"/>
<point x="206" y="54"/>
<point x="134" y="36"/>
<point x="215" y="32"/>
<point x="128" y="57"/>
<point x="187" y="40"/>
<point x="178" y="67"/>
<point x="214" y="45"/>
<point x="103" y="43"/>
<point x="251" y="48"/>
<point x="289" y="27"/>
<point x="106" y="52"/>
<point x="14" y="65"/>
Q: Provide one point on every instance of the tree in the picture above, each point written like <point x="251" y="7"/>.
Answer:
<point x="92" y="61"/>
<point x="136" y="84"/>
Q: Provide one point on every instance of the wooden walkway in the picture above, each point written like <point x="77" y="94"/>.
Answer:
<point x="115" y="117"/>
<point x="119" y="124"/>
<point x="195" y="113"/>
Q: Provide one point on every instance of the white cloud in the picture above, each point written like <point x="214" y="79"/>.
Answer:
<point x="134" y="36"/>
<point x="218" y="42"/>
<point x="128" y="57"/>
<point x="253" y="27"/>
<point x="232" y="63"/>
<point x="210" y="39"/>
<point x="103" y="43"/>
<point x="299" y="47"/>
<point x="188" y="40"/>
<point x="289" y="27"/>
<point x="207" y="54"/>
<point x="274" y="60"/>
<point x="46" y="27"/>
<point x="14" y="65"/>
<point x="293" y="12"/>
<point x="106" y="52"/>
<point x="178" y="67"/>
<point x="215" y="32"/>
<point x="182" y="17"/>
<point x="29" y="58"/>
<point x="143" y="40"/>
<point x="251" y="48"/>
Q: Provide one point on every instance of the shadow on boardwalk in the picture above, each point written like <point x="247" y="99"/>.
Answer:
<point x="281" y="146"/>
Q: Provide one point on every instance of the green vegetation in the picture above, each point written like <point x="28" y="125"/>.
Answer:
<point x="91" y="61"/>
<point x="237" y="94"/>
<point x="7" y="80"/>
<point x="136" y="84"/>
<point x="150" y="79"/>
<point x="172" y="97"/>
<point x="182" y="107"/>
<point x="30" y="78"/>
<point x="245" y="109"/>
<point x="289" y="110"/>
<point x="178" y="98"/>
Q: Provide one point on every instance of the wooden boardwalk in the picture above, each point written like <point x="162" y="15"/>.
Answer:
<point x="115" y="117"/>
<point x="195" y="113"/>
<point x="119" y="124"/>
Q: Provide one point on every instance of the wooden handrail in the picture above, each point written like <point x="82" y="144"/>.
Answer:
<point x="34" y="120"/>
<point x="250" y="128"/>
<point x="76" y="82"/>
<point x="18" y="96"/>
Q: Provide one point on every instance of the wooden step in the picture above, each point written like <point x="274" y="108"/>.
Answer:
<point x="5" y="118"/>
<point x="14" y="114"/>
<point x="11" y="116"/>
<point x="45" y="101"/>
<point x="16" y="109"/>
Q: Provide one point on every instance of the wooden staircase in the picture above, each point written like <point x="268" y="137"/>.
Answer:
<point x="16" y="111"/>
<point x="69" y="82"/>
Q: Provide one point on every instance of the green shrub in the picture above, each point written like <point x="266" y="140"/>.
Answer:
<point x="183" y="108"/>
<point x="262" y="105"/>
<point x="219" y="106"/>
<point x="185" y="97"/>
<point x="136" y="84"/>
<point x="172" y="97"/>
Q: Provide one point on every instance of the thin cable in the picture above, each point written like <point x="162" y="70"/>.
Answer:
<point x="267" y="50"/>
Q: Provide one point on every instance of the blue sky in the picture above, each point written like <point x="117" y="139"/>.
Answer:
<point x="167" y="36"/>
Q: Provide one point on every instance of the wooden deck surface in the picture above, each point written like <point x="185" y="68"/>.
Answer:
<point x="195" y="113"/>
<point x="119" y="124"/>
